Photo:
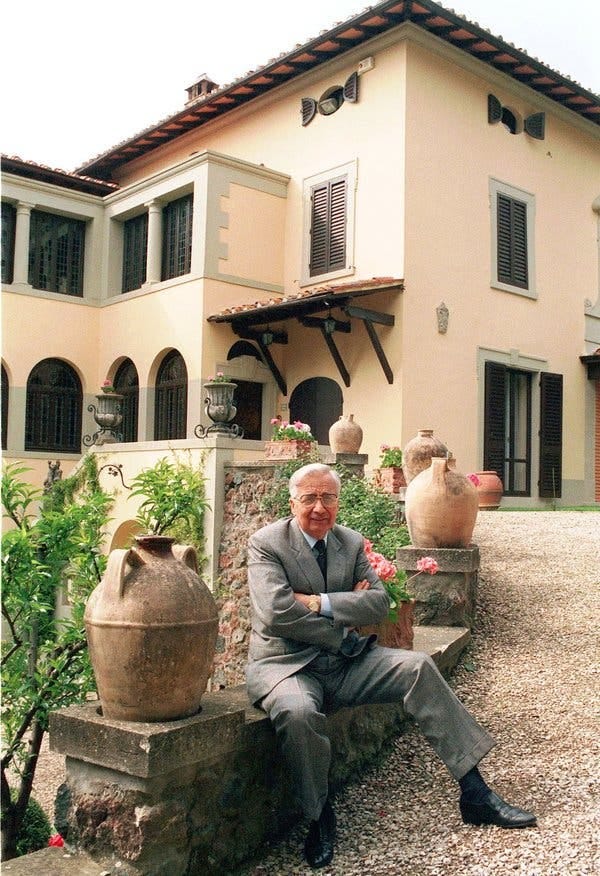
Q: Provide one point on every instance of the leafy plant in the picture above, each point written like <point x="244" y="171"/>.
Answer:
<point x="35" y="829"/>
<point x="175" y="501"/>
<point x="285" y="431"/>
<point x="55" y="541"/>
<point x="390" y="456"/>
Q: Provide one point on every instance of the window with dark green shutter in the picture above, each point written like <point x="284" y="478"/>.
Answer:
<point x="328" y="227"/>
<point x="53" y="408"/>
<point x="170" y="414"/>
<point x="551" y="405"/>
<point x="135" y="247"/>
<point x="507" y="427"/>
<point x="177" y="238"/>
<point x="9" y="215"/>
<point x="56" y="253"/>
<point x="512" y="260"/>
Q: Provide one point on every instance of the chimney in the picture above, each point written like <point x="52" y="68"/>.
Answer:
<point x="200" y="89"/>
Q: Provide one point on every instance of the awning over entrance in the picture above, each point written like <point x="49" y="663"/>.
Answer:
<point x="254" y="321"/>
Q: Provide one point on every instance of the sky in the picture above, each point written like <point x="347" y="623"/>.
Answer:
<point x="81" y="77"/>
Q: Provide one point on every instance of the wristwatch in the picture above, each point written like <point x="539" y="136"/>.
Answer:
<point x="314" y="603"/>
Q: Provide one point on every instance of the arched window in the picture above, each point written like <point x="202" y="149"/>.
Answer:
<point x="127" y="383"/>
<point x="53" y="408"/>
<point x="170" y="414"/>
<point x="318" y="402"/>
<point x="4" y="404"/>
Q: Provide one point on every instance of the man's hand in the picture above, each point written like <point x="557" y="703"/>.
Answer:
<point x="361" y="585"/>
<point x="304" y="598"/>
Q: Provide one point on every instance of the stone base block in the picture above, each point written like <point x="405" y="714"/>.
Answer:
<point x="449" y="597"/>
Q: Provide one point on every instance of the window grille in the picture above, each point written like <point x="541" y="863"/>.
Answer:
<point x="56" y="253"/>
<point x="135" y="248"/>
<point x="9" y="220"/>
<point x="127" y="384"/>
<point x="170" y="415"/>
<point x="4" y="404"/>
<point x="53" y="408"/>
<point x="177" y="238"/>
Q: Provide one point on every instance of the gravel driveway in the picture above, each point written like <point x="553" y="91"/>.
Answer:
<point x="531" y="677"/>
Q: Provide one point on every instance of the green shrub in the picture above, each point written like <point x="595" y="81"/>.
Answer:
<point x="35" y="829"/>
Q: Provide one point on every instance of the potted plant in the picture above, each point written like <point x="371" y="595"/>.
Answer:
<point x="396" y="631"/>
<point x="219" y="404"/>
<point x="390" y="476"/>
<point x="289" y="440"/>
<point x="153" y="610"/>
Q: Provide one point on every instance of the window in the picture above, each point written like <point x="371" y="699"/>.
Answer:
<point x="4" y="404"/>
<point x="512" y="240"/>
<point x="135" y="246"/>
<point x="126" y="383"/>
<point x="170" y="416"/>
<point x="9" y="215"/>
<point x="177" y="238"/>
<point x="329" y="224"/>
<point x="56" y="251"/>
<point x="53" y="408"/>
<point x="508" y="429"/>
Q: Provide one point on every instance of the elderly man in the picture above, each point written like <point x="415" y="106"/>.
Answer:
<point x="311" y="586"/>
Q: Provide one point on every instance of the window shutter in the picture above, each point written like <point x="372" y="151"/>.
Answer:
<point x="495" y="413"/>
<point x="512" y="242"/>
<point x="551" y="403"/>
<point x="328" y="227"/>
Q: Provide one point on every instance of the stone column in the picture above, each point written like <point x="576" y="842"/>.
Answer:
<point x="22" y="227"/>
<point x="154" y="254"/>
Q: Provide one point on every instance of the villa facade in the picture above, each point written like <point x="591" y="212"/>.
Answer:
<point x="399" y="219"/>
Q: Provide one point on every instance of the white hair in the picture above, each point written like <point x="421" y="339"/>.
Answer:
<point x="318" y="468"/>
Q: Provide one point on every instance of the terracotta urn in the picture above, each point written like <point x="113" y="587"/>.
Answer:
<point x="417" y="454"/>
<point x="345" y="436"/>
<point x="441" y="507"/>
<point x="291" y="448"/>
<point x="151" y="626"/>
<point x="489" y="490"/>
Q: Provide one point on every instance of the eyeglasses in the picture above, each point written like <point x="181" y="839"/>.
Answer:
<point x="308" y="499"/>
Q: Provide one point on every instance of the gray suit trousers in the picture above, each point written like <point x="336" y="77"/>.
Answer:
<point x="297" y="705"/>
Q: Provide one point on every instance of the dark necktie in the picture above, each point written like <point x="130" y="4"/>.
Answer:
<point x="320" y="549"/>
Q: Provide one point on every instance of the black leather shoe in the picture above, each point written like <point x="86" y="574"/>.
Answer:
<point x="494" y="810"/>
<point x="318" y="846"/>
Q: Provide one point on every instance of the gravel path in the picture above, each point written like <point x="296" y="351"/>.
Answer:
<point x="531" y="677"/>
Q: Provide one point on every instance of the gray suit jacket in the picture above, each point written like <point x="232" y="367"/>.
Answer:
<point x="285" y="635"/>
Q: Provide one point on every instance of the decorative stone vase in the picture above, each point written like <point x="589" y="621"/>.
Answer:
<point x="398" y="633"/>
<point x="390" y="478"/>
<point x="219" y="404"/>
<point x="290" y="449"/>
<point x="441" y="507"/>
<point x="490" y="490"/>
<point x="151" y="626"/>
<point x="417" y="454"/>
<point x="108" y="415"/>
<point x="345" y="436"/>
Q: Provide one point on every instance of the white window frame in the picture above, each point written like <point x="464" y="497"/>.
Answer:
<point x="497" y="187"/>
<point x="350" y="172"/>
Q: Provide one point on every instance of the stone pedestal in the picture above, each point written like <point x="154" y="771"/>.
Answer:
<point x="449" y="597"/>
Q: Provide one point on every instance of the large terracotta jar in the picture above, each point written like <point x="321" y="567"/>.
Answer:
<point x="152" y="628"/>
<point x="419" y="451"/>
<point x="345" y="436"/>
<point x="489" y="490"/>
<point x="441" y="507"/>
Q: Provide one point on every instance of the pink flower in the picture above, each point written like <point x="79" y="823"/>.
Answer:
<point x="474" y="479"/>
<point x="56" y="840"/>
<point x="220" y="374"/>
<point x="427" y="564"/>
<point x="275" y="421"/>
<point x="106" y="383"/>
